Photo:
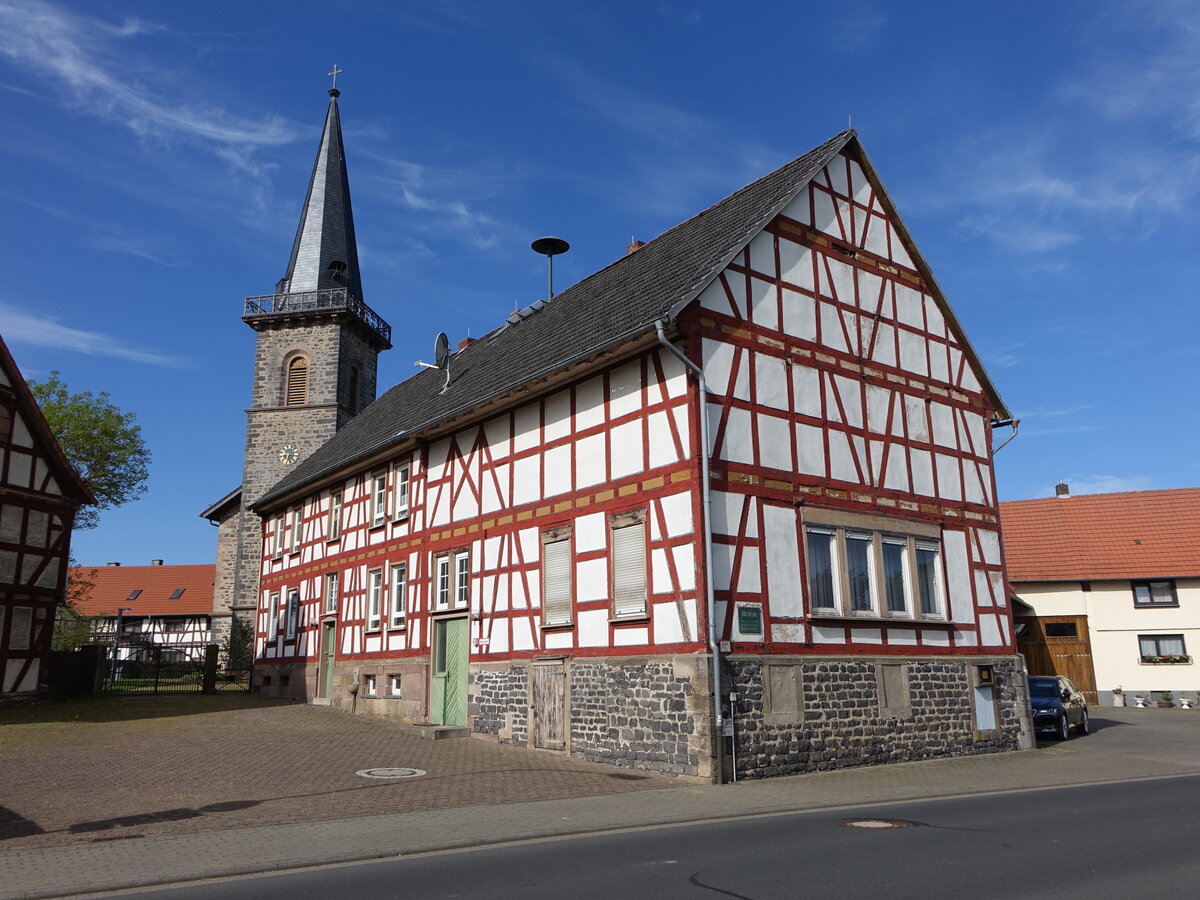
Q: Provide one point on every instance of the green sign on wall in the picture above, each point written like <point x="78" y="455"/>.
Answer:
<point x="750" y="620"/>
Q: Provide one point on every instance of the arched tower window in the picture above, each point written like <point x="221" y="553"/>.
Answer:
<point x="353" y="399"/>
<point x="297" y="382"/>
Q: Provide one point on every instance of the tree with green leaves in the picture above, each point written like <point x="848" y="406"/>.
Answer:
<point x="103" y="444"/>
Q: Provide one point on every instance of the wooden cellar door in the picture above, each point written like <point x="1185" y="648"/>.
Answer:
<point x="548" y="704"/>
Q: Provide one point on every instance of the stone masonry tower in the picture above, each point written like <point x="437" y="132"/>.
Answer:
<point x="314" y="369"/>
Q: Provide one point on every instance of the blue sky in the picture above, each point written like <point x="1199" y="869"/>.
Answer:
<point x="1046" y="157"/>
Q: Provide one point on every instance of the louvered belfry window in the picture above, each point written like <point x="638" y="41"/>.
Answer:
<point x="629" y="564"/>
<point x="297" y="382"/>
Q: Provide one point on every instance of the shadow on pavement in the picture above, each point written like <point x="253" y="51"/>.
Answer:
<point x="127" y="708"/>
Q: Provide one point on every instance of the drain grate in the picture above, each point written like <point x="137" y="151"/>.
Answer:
<point x="874" y="823"/>
<point x="390" y="772"/>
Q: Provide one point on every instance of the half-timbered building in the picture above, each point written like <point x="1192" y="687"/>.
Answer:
<point x="39" y="495"/>
<point x="729" y="498"/>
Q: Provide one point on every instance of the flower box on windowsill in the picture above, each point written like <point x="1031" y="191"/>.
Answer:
<point x="1170" y="660"/>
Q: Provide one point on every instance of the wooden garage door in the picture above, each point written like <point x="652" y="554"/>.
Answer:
<point x="1058" y="645"/>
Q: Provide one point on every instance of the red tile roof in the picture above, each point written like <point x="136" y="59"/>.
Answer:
<point x="1136" y="534"/>
<point x="112" y="585"/>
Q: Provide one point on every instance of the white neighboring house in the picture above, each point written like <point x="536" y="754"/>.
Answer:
<point x="1111" y="589"/>
<point x="163" y="611"/>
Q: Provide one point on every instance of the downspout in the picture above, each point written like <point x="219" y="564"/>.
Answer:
<point x="710" y="601"/>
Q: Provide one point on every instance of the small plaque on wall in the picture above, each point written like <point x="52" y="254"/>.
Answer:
<point x="750" y="620"/>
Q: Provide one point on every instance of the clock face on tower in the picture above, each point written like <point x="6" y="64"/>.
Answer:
<point x="288" y="454"/>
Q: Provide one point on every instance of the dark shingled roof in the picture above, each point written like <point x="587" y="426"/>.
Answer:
<point x="620" y="302"/>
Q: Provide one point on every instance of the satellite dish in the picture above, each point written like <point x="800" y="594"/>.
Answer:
<point x="441" y="350"/>
<point x="550" y="247"/>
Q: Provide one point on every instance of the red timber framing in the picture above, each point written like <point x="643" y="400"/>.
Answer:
<point x="39" y="494"/>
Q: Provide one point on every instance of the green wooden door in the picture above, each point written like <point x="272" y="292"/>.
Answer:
<point x="448" y="686"/>
<point x="328" y="645"/>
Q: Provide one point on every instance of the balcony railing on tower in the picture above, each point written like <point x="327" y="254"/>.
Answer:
<point x="311" y="301"/>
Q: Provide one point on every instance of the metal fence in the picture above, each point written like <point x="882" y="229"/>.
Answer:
<point x="175" y="669"/>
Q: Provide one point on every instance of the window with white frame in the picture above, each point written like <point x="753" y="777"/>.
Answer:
<point x="378" y="499"/>
<point x="556" y="577"/>
<point x="277" y="537"/>
<point x="274" y="616"/>
<point x="297" y="516"/>
<point x="868" y="566"/>
<point x="332" y="591"/>
<point x="369" y="685"/>
<point x="394" y="685"/>
<point x="627" y="559"/>
<point x="442" y="582"/>
<point x="333" y="528"/>
<point x="399" y="591"/>
<point x="462" y="582"/>
<point x="401" y="488"/>
<point x="1154" y="593"/>
<point x="374" y="599"/>
<point x="293" y="612"/>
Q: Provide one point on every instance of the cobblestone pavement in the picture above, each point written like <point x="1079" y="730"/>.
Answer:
<point x="149" y="766"/>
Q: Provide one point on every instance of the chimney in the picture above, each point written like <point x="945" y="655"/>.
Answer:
<point x="156" y="562"/>
<point x="112" y="564"/>
<point x="1062" y="490"/>
<point x="465" y="343"/>
<point x="634" y="246"/>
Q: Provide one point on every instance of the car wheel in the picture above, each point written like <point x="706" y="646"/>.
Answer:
<point x="1084" y="727"/>
<point x="1064" y="728"/>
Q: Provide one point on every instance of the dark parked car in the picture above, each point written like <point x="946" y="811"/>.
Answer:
<point x="1058" y="706"/>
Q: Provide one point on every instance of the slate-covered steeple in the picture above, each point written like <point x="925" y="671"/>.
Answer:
<point x="324" y="254"/>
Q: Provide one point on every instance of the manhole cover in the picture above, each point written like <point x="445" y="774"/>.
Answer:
<point x="873" y="823"/>
<point x="390" y="773"/>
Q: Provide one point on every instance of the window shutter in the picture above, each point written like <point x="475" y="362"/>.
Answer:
<point x="297" y="382"/>
<point x="629" y="570"/>
<point x="556" y="583"/>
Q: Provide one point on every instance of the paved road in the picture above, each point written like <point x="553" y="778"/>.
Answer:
<point x="1116" y="840"/>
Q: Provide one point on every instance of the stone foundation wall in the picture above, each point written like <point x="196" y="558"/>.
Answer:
<point x="813" y="714"/>
<point x="498" y="702"/>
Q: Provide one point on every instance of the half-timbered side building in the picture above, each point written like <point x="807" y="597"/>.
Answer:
<point x="729" y="497"/>
<point x="39" y="495"/>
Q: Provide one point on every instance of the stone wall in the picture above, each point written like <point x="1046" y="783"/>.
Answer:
<point x="498" y="702"/>
<point x="813" y="714"/>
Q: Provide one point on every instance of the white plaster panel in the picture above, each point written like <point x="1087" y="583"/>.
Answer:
<point x="683" y="427"/>
<point x="899" y="251"/>
<point x="983" y="588"/>
<point x="989" y="630"/>
<point x="465" y="506"/>
<point x="787" y="633"/>
<point x="958" y="576"/>
<point x="878" y="403"/>
<point x="749" y="580"/>
<point x="527" y="427"/>
<point x="522" y="634"/>
<point x="841" y="460"/>
<point x="713" y="297"/>
<point x="896" y="476"/>
<point x="589" y="403"/>
<point x="677" y="512"/>
<point x="558" y="470"/>
<point x="935" y="323"/>
<point x="969" y="382"/>
<point x="531" y="544"/>
<point x="593" y="628"/>
<point x="912" y="353"/>
<point x="866" y="636"/>
<point x="558" y="640"/>
<point x="910" y="307"/>
<point x="810" y="450"/>
<point x="806" y="390"/>
<point x="859" y="186"/>
<point x="722" y="557"/>
<point x="949" y="485"/>
<point x="828" y="634"/>
<point x="798" y="209"/>
<point x="493" y="552"/>
<point x="630" y="637"/>
<point x="762" y="254"/>
<point x="726" y="511"/>
<point x="739" y="441"/>
<point x="799" y="315"/>
<point x="973" y="483"/>
<point x="495" y="489"/>
<point x="989" y="543"/>
<point x="965" y="637"/>
<point x="795" y="264"/>
<point x="625" y="449"/>
<point x="771" y="380"/>
<point x="685" y="566"/>
<point x="21" y="436"/>
<point x="774" y="442"/>
<point x="439" y="516"/>
<point x="674" y="374"/>
<point x="824" y="214"/>
<point x="875" y="239"/>
<point x="861" y="218"/>
<point x="496" y="432"/>
<point x="764" y="303"/>
<point x="939" y="366"/>
<point x="875" y="448"/>
<point x="918" y="423"/>
<point x="832" y="335"/>
<point x="558" y="416"/>
<point x="901" y="636"/>
<point x="660" y="572"/>
<point x="942" y="417"/>
<point x="589" y="461"/>
<point x="975" y="430"/>
<point x="438" y="451"/>
<point x="527" y="475"/>
<point x="666" y="624"/>
<point x="936" y="638"/>
<point x="849" y="391"/>
<point x="498" y="636"/>
<point x="590" y="533"/>
<point x="884" y="351"/>
<point x="662" y="444"/>
<point x="842" y="283"/>
<point x="836" y="173"/>
<point x="625" y="389"/>
<point x="783" y="561"/>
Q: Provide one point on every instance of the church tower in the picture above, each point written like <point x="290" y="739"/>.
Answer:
<point x="317" y="345"/>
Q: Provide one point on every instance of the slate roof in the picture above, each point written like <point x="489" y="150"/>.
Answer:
<point x="112" y="585"/>
<point x="607" y="309"/>
<point x="1091" y="537"/>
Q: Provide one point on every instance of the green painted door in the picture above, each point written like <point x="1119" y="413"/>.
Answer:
<point x="448" y="687"/>
<point x="325" y="676"/>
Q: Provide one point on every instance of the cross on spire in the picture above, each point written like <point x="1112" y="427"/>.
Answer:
<point x="333" y="91"/>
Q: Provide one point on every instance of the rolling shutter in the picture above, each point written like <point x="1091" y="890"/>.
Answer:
<point x="556" y="582"/>
<point x="629" y="570"/>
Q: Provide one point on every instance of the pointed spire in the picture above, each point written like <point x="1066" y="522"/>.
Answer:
<point x="325" y="254"/>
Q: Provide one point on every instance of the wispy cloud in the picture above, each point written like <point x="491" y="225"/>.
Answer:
<point x="106" y="236"/>
<point x="21" y="327"/>
<point x="88" y="60"/>
<point x="1105" y="484"/>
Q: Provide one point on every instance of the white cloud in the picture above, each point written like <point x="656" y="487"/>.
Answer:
<point x="21" y="327"/>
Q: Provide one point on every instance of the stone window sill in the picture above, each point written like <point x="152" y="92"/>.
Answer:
<point x="879" y="620"/>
